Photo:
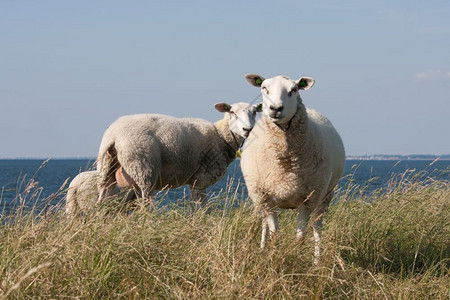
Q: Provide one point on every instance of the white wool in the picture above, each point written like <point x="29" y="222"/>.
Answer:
<point x="160" y="151"/>
<point x="82" y="193"/>
<point x="293" y="158"/>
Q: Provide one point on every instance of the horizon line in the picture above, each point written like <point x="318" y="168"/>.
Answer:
<point x="350" y="156"/>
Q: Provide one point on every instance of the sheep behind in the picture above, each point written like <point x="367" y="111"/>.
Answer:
<point x="82" y="193"/>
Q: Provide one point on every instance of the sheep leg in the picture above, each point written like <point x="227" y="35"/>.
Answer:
<point x="106" y="179"/>
<point x="317" y="225"/>
<point x="317" y="231"/>
<point x="147" y="199"/>
<point x="270" y="222"/>
<point x="106" y="188"/>
<point x="265" y="233"/>
<point x="141" y="175"/>
<point x="303" y="219"/>
<point x="197" y="199"/>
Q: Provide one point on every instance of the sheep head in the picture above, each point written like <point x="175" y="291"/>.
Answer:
<point x="280" y="95"/>
<point x="240" y="116"/>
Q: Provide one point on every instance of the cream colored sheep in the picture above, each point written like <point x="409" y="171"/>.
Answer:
<point x="293" y="158"/>
<point x="82" y="192"/>
<point x="159" y="151"/>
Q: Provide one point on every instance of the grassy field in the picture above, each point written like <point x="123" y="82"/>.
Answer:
<point x="390" y="244"/>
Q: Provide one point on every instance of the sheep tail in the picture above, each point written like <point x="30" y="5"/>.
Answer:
<point x="107" y="164"/>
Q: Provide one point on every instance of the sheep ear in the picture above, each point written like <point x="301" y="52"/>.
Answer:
<point x="223" y="107"/>
<point x="305" y="83"/>
<point x="258" y="107"/>
<point x="254" y="79"/>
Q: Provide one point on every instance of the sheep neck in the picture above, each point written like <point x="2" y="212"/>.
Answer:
<point x="233" y="141"/>
<point x="294" y="143"/>
<point x="296" y="126"/>
<point x="287" y="126"/>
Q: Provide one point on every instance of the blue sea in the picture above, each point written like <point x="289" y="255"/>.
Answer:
<point x="46" y="178"/>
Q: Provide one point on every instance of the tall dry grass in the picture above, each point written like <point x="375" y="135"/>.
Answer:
<point x="390" y="244"/>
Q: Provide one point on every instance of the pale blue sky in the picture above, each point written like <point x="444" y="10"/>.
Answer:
<point x="70" y="68"/>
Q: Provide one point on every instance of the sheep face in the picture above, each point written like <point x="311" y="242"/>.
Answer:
<point x="240" y="116"/>
<point x="280" y="95"/>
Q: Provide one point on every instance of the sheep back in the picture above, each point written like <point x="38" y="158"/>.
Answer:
<point x="164" y="151"/>
<point x="82" y="192"/>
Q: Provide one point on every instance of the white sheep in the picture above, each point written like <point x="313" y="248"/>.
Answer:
<point x="293" y="158"/>
<point x="82" y="192"/>
<point x="159" y="151"/>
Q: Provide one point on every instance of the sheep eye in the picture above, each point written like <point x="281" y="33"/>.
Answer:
<point x="265" y="90"/>
<point x="292" y="91"/>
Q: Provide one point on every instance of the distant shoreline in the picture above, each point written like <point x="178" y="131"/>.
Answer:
<point x="399" y="157"/>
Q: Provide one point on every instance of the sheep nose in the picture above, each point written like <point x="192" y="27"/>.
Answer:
<point x="276" y="109"/>
<point x="247" y="129"/>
